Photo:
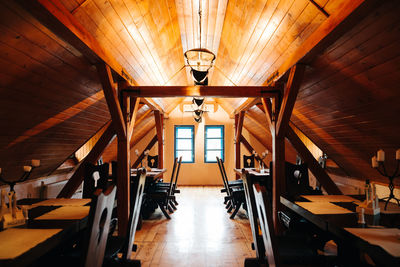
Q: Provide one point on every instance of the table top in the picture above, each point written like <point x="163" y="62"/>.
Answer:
<point x="48" y="226"/>
<point x="153" y="173"/>
<point x="337" y="215"/>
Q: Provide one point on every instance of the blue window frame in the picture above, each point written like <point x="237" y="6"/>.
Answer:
<point x="214" y="144"/>
<point x="184" y="142"/>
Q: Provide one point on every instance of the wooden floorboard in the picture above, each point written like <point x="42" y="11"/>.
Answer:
<point x="199" y="233"/>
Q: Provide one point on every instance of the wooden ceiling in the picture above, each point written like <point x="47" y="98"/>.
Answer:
<point x="52" y="102"/>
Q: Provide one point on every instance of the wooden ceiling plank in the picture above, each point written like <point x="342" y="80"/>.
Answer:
<point x="216" y="91"/>
<point x="329" y="31"/>
<point x="251" y="101"/>
<point x="315" y="168"/>
<point x="76" y="179"/>
<point x="112" y="100"/>
<point x="289" y="98"/>
<point x="57" y="18"/>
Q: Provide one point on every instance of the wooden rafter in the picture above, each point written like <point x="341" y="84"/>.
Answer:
<point x="315" y="168"/>
<point x="289" y="98"/>
<point x="158" y="117"/>
<point x="210" y="91"/>
<point x="268" y="113"/>
<point x="112" y="100"/>
<point x="251" y="101"/>
<point x="76" y="179"/>
<point x="132" y="120"/>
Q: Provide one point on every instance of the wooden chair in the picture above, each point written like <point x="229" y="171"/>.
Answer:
<point x="281" y="250"/>
<point x="235" y="193"/>
<point x="174" y="180"/>
<point x="152" y="161"/>
<point x="248" y="161"/>
<point x="297" y="180"/>
<point x="125" y="245"/>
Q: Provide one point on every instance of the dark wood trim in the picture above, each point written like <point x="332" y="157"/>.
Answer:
<point x="134" y="107"/>
<point x="76" y="179"/>
<point x="159" y="129"/>
<point x="141" y="156"/>
<point x="268" y="113"/>
<point x="123" y="185"/>
<point x="214" y="91"/>
<point x="112" y="100"/>
<point x="237" y="146"/>
<point x="313" y="165"/>
<point x="289" y="98"/>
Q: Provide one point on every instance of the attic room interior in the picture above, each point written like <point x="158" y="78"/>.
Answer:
<point x="279" y="117"/>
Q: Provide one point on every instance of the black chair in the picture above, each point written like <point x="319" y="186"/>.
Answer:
<point x="281" y="250"/>
<point x="248" y="161"/>
<point x="297" y="180"/>
<point x="152" y="161"/>
<point x="235" y="192"/>
<point x="124" y="244"/>
<point x="174" y="180"/>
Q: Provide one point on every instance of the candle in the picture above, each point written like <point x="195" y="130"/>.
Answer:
<point x="374" y="162"/>
<point x="398" y="154"/>
<point x="381" y="155"/>
<point x="27" y="168"/>
<point x="35" y="163"/>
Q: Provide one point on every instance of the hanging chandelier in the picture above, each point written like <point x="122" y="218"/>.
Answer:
<point x="200" y="60"/>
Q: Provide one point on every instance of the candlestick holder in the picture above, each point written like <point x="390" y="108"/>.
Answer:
<point x="379" y="165"/>
<point x="27" y="172"/>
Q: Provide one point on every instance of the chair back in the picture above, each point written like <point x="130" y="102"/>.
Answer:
<point x="152" y="161"/>
<point x="98" y="227"/>
<point x="248" y="161"/>
<point x="266" y="225"/>
<point x="172" y="184"/>
<point x="252" y="213"/>
<point x="224" y="180"/>
<point x="173" y="170"/>
<point x="95" y="177"/>
<point x="297" y="181"/>
<point x="136" y="204"/>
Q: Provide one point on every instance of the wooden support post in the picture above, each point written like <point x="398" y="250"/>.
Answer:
<point x="76" y="179"/>
<point x="313" y="165"/>
<point x="159" y="128"/>
<point x="123" y="185"/>
<point x="238" y="132"/>
<point x="148" y="147"/>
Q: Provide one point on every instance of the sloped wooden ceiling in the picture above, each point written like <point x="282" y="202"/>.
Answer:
<point x="51" y="100"/>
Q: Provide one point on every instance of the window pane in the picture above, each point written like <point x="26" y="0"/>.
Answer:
<point x="211" y="155"/>
<point x="214" y="132"/>
<point x="213" y="144"/>
<point x="184" y="144"/>
<point x="184" y="133"/>
<point x="186" y="155"/>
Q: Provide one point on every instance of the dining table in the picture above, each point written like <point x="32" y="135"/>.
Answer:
<point x="378" y="237"/>
<point x="50" y="223"/>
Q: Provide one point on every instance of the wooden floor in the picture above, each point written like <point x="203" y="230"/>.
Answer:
<point x="199" y="233"/>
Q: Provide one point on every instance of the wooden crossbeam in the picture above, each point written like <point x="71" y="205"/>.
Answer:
<point x="149" y="102"/>
<point x="132" y="120"/>
<point x="141" y="156"/>
<point x="159" y="129"/>
<point x="210" y="91"/>
<point x="54" y="15"/>
<point x="268" y="113"/>
<point x="344" y="18"/>
<point x="76" y="179"/>
<point x="292" y="88"/>
<point x="112" y="100"/>
<point x="313" y="165"/>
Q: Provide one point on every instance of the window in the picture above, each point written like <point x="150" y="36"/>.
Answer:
<point x="184" y="142"/>
<point x="213" y="143"/>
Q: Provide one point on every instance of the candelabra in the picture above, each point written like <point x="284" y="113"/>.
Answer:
<point x="27" y="172"/>
<point x="379" y="165"/>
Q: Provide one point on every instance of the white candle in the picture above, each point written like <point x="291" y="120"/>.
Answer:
<point x="374" y="162"/>
<point x="35" y="163"/>
<point x="398" y="154"/>
<point x="27" y="168"/>
<point x="381" y="155"/>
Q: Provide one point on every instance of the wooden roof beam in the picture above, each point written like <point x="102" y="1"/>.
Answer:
<point x="209" y="91"/>
<point x="251" y="101"/>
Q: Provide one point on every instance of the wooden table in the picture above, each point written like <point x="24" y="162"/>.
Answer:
<point x="67" y="229"/>
<point x="337" y="224"/>
<point x="253" y="171"/>
<point x="155" y="174"/>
